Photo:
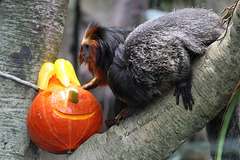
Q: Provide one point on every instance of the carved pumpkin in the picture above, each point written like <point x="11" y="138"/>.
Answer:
<point x="62" y="117"/>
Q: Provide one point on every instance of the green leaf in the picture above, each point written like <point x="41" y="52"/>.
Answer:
<point x="227" y="119"/>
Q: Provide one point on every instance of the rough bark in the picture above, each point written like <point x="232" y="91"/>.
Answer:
<point x="163" y="126"/>
<point x="30" y="34"/>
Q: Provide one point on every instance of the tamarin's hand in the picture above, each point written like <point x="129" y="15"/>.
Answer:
<point x="155" y="56"/>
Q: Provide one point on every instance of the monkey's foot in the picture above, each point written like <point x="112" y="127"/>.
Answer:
<point x="110" y="122"/>
<point x="127" y="112"/>
<point x="184" y="89"/>
<point x="122" y="115"/>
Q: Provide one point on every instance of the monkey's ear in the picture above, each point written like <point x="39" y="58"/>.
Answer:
<point x="94" y="31"/>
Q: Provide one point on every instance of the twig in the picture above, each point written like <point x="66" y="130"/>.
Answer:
<point x="16" y="79"/>
<point x="228" y="16"/>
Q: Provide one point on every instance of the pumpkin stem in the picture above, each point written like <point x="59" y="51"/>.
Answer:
<point x="70" y="151"/>
<point x="73" y="95"/>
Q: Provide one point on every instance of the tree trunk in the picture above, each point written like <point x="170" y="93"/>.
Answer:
<point x="30" y="34"/>
<point x="129" y="13"/>
<point x="162" y="127"/>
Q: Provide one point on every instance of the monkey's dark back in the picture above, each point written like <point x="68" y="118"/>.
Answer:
<point x="159" y="50"/>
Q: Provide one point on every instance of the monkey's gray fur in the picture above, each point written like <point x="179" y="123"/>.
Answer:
<point x="158" y="54"/>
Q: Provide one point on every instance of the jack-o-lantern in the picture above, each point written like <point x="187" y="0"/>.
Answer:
<point x="62" y="115"/>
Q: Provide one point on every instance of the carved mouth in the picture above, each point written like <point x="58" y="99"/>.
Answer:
<point x="73" y="116"/>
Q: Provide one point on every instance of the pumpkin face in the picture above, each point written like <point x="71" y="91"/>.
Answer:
<point x="56" y="124"/>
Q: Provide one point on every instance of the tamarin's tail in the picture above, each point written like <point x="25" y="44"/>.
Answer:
<point x="121" y="80"/>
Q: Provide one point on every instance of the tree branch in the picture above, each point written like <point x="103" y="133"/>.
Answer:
<point x="163" y="126"/>
<point x="30" y="34"/>
<point x="16" y="79"/>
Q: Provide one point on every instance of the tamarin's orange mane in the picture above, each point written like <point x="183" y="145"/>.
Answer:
<point x="91" y="38"/>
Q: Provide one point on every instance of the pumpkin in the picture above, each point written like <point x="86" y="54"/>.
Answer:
<point x="62" y="116"/>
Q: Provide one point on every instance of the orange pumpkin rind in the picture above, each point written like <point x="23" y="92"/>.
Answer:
<point x="57" y="125"/>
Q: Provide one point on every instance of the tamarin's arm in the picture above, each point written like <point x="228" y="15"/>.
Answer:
<point x="92" y="84"/>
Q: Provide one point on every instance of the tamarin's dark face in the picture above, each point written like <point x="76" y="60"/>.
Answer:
<point x="89" y="46"/>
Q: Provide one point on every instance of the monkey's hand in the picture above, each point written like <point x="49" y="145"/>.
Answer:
<point x="91" y="85"/>
<point x="184" y="89"/>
